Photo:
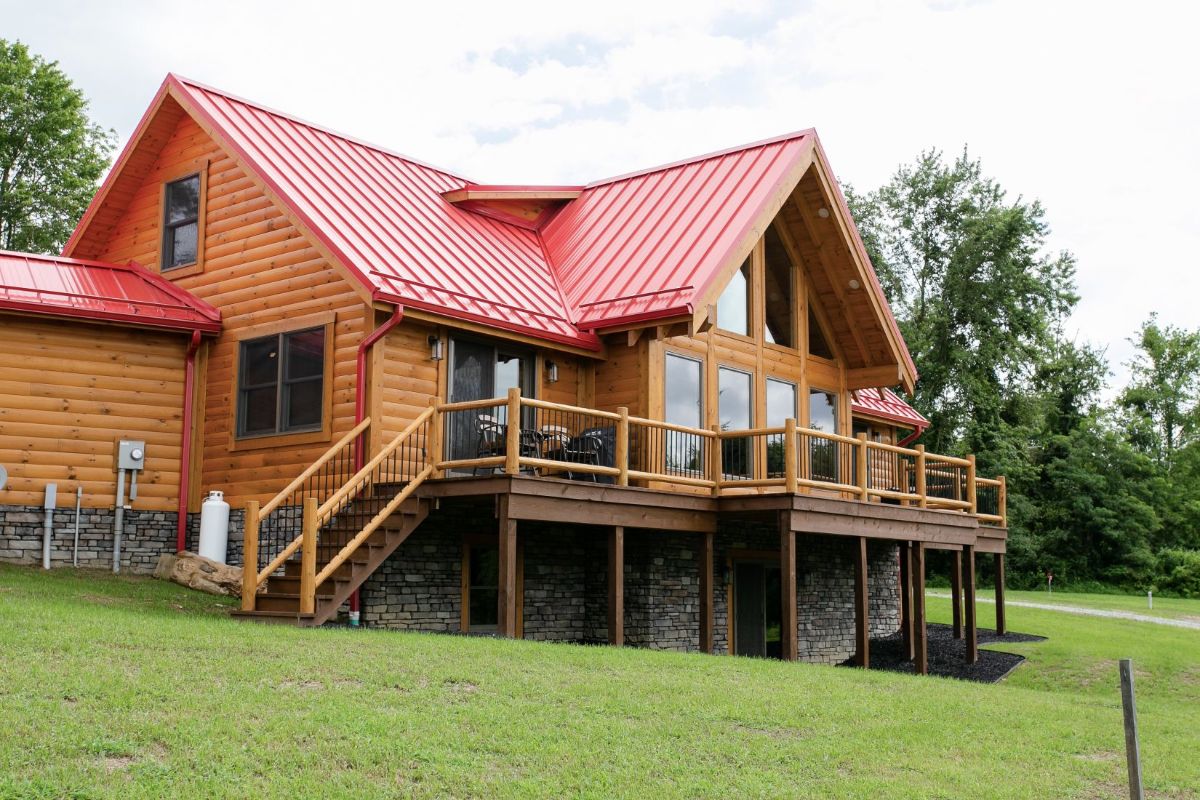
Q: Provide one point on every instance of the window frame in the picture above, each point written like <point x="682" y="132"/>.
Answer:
<point x="324" y="432"/>
<point x="729" y="445"/>
<point x="197" y="264"/>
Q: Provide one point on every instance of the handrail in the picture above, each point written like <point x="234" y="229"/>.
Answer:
<point x="313" y="468"/>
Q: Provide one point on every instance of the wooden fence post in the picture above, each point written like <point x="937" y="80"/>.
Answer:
<point x="861" y="470"/>
<point x="250" y="556"/>
<point x="789" y="455"/>
<point x="1133" y="756"/>
<point x="972" y="498"/>
<point x="512" y="443"/>
<point x="923" y="502"/>
<point x="308" y="557"/>
<point x="621" y="456"/>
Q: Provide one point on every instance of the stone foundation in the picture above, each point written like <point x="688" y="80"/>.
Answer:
<point x="565" y="592"/>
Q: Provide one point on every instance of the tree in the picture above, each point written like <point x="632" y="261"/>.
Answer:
<point x="51" y="154"/>
<point x="1162" y="400"/>
<point x="977" y="299"/>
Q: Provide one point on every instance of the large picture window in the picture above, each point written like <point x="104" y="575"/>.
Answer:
<point x="735" y="408"/>
<point x="181" y="222"/>
<point x="684" y="405"/>
<point x="823" y="453"/>
<point x="779" y="304"/>
<point x="781" y="406"/>
<point x="281" y="383"/>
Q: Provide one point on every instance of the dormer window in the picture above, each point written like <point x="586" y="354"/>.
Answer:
<point x="181" y="222"/>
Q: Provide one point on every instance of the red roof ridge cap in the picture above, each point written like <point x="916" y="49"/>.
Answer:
<point x="705" y="157"/>
<point x="189" y="82"/>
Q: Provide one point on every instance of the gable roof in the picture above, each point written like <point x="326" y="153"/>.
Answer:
<point x="631" y="249"/>
<point x="886" y="404"/>
<point x="94" y="290"/>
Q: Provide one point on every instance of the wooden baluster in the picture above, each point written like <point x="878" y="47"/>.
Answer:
<point x="923" y="500"/>
<point x="972" y="498"/>
<point x="861" y="449"/>
<point x="308" y="557"/>
<point x="789" y="455"/>
<point x="250" y="556"/>
<point x="512" y="444"/>
<point x="621" y="457"/>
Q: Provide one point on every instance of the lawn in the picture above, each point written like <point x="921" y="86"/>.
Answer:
<point x="1168" y="607"/>
<point x="129" y="688"/>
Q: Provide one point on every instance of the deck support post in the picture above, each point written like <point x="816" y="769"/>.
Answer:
<point x="906" y="615"/>
<point x="862" y="605"/>
<point x="998" y="560"/>
<point x="956" y="571"/>
<point x="616" y="586"/>
<point x="787" y="587"/>
<point x="968" y="575"/>
<point x="506" y="599"/>
<point x="920" y="633"/>
<point x="706" y="592"/>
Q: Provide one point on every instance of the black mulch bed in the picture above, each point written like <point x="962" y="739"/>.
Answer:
<point x="947" y="655"/>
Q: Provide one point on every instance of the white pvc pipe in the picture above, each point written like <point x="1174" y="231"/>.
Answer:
<point x="119" y="522"/>
<point x="48" y="529"/>
<point x="78" y="503"/>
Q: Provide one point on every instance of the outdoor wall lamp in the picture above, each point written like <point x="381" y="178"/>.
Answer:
<point x="551" y="372"/>
<point x="435" y="348"/>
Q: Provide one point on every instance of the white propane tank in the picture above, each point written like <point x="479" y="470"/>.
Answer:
<point x="214" y="527"/>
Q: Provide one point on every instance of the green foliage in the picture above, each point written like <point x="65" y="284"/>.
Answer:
<point x="1096" y="494"/>
<point x="1179" y="572"/>
<point x="51" y="154"/>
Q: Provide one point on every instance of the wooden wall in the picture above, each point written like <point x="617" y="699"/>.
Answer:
<point x="69" y="391"/>
<point x="264" y="275"/>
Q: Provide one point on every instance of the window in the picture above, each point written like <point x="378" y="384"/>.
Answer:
<point x="683" y="405"/>
<point x="483" y="586"/>
<point x="480" y="370"/>
<point x="735" y="411"/>
<point x="781" y="404"/>
<point x="281" y="383"/>
<point x="818" y="344"/>
<point x="779" y="320"/>
<point x="181" y="222"/>
<point x="822" y="410"/>
<point x="733" y="307"/>
<point x="823" y="453"/>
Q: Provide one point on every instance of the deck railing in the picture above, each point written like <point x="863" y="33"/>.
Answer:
<point x="559" y="440"/>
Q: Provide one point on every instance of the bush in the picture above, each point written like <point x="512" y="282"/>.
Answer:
<point x="1179" y="572"/>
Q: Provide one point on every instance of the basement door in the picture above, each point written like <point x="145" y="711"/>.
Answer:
<point x="757" y="609"/>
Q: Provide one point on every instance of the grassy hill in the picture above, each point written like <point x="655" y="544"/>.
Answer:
<point x="129" y="688"/>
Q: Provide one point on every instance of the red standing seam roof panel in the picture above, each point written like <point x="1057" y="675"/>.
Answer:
<point x="100" y="291"/>
<point x="886" y="404"/>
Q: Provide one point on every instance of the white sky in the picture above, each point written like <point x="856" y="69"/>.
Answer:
<point x="1091" y="107"/>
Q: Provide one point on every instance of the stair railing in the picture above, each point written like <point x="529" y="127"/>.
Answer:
<point x="373" y="494"/>
<point x="274" y="532"/>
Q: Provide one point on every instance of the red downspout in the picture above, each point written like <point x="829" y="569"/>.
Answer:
<point x="185" y="457"/>
<point x="360" y="395"/>
<point x="912" y="437"/>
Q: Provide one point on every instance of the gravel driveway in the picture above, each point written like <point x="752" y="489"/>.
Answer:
<point x="1091" y="612"/>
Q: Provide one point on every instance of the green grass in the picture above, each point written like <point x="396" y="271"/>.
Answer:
<point x="130" y="688"/>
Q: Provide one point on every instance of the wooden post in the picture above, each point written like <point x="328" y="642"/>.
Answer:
<point x="435" y="438"/>
<point x="506" y="597"/>
<point x="972" y="635"/>
<point x="706" y="592"/>
<point x="616" y="586"/>
<point x="998" y="561"/>
<point x="621" y="456"/>
<point x="861" y="467"/>
<point x="972" y="497"/>
<point x="920" y="634"/>
<point x="1003" y="511"/>
<point x="1133" y="756"/>
<point x="956" y="593"/>
<point x="789" y="455"/>
<point x="787" y="587"/>
<point x="921" y="492"/>
<point x="308" y="557"/>
<point x="250" y="556"/>
<point x="715" y="460"/>
<point x="862" y="606"/>
<point x="906" y="610"/>
<point x="512" y="441"/>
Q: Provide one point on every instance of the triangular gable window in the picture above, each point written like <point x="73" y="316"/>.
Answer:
<point x="733" y="307"/>
<point x="818" y="343"/>
<point x="780" y="303"/>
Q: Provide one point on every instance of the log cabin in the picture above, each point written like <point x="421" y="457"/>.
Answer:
<point x="653" y="410"/>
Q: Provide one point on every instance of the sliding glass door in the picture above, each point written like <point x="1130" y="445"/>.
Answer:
<point x="480" y="370"/>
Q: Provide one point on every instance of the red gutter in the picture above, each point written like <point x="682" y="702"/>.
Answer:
<point x="185" y="459"/>
<point x="360" y="372"/>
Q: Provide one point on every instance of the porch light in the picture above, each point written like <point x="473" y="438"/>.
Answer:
<point x="435" y="348"/>
<point x="551" y="372"/>
<point x="823" y="213"/>
<point x="854" y="284"/>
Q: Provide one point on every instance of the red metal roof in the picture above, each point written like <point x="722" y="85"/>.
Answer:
<point x="96" y="290"/>
<point x="886" y="404"/>
<point x="647" y="244"/>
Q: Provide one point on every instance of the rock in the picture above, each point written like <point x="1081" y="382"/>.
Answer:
<point x="197" y="572"/>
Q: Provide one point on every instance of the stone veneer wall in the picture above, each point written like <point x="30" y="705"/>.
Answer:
<point x="147" y="535"/>
<point x="565" y="584"/>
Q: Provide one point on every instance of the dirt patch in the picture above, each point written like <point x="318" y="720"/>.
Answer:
<point x="779" y="734"/>
<point x="306" y="685"/>
<point x="460" y="687"/>
<point x="115" y="763"/>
